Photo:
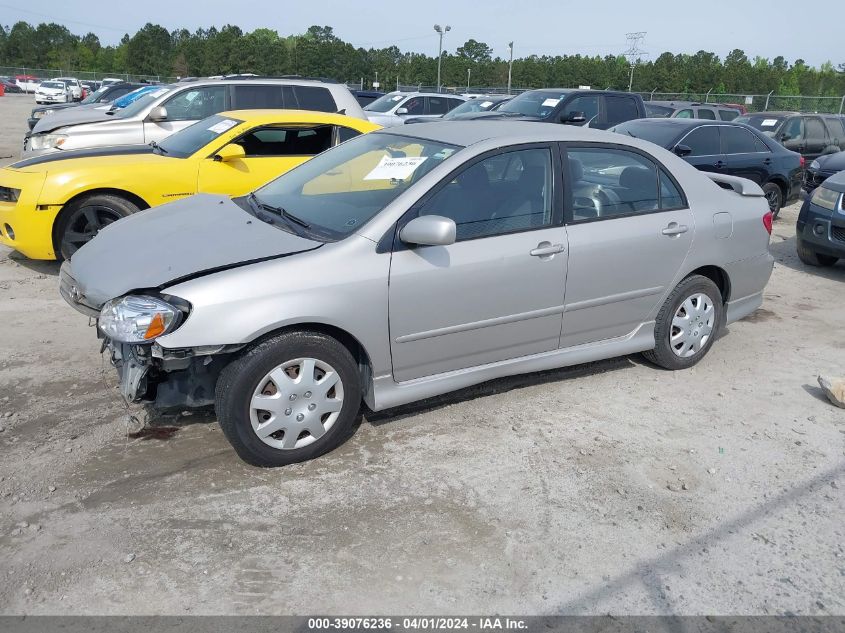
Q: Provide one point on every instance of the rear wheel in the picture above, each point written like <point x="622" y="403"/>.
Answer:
<point x="84" y="218"/>
<point x="811" y="257"/>
<point x="774" y="196"/>
<point x="289" y="399"/>
<point x="687" y="324"/>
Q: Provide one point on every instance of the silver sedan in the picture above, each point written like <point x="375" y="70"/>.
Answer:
<point x="415" y="261"/>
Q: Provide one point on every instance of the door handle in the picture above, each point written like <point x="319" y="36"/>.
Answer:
<point x="675" y="229"/>
<point x="768" y="161"/>
<point x="545" y="249"/>
<point x="719" y="164"/>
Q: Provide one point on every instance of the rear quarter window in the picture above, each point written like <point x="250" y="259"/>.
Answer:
<point x="314" y="98"/>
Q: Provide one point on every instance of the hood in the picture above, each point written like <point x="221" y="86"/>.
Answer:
<point x="832" y="162"/>
<point x="73" y="116"/>
<point x="191" y="237"/>
<point x="494" y="115"/>
<point x="27" y="164"/>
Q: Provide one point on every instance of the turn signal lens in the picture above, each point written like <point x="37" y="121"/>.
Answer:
<point x="156" y="327"/>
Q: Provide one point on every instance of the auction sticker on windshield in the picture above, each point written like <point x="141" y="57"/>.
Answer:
<point x="222" y="126"/>
<point x="769" y="123"/>
<point x="390" y="168"/>
<point x="550" y="103"/>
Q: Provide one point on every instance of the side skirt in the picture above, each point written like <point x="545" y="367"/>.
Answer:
<point x="387" y="393"/>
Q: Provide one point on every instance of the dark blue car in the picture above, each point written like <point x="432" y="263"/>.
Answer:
<point x="820" y="230"/>
<point x="821" y="169"/>
<point x="727" y="147"/>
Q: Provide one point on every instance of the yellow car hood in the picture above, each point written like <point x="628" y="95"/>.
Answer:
<point x="67" y="159"/>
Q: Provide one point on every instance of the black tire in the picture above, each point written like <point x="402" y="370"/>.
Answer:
<point x="663" y="353"/>
<point x="811" y="257"/>
<point x="242" y="377"/>
<point x="774" y="196"/>
<point x="83" y="218"/>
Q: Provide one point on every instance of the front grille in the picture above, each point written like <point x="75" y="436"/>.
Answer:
<point x="838" y="233"/>
<point x="7" y="194"/>
<point x="815" y="178"/>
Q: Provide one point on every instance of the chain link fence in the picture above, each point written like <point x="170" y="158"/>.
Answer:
<point x="50" y="73"/>
<point x="485" y="90"/>
<point x="757" y="102"/>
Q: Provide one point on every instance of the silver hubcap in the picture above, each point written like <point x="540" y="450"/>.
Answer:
<point x="692" y="325"/>
<point x="296" y="403"/>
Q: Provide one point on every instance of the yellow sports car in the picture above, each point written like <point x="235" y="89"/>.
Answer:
<point x="51" y="205"/>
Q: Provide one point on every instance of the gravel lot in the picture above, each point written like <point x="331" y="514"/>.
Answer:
<point x="613" y="487"/>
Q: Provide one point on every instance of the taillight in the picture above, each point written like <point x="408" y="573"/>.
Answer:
<point x="767" y="221"/>
<point x="801" y="161"/>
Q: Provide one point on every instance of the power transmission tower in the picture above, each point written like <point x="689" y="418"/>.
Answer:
<point x="634" y="52"/>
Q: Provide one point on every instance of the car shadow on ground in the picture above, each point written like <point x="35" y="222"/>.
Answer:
<point x="40" y="266"/>
<point x="499" y="386"/>
<point x="785" y="253"/>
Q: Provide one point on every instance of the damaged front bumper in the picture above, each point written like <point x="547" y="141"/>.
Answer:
<point x="166" y="378"/>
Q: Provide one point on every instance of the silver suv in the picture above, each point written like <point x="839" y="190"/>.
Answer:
<point x="392" y="108"/>
<point x="171" y="108"/>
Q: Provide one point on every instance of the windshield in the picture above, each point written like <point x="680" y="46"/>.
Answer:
<point x="133" y="103"/>
<point x="186" y="142"/>
<point x="340" y="190"/>
<point x="473" y="105"/>
<point x="657" y="111"/>
<point x="385" y="103"/>
<point x="94" y="97"/>
<point x="538" y="103"/>
<point x="663" y="134"/>
<point x="58" y="85"/>
<point x="762" y="122"/>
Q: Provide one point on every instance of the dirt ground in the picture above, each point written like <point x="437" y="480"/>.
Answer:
<point x="608" y="488"/>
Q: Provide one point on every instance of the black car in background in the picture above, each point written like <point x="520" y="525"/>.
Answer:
<point x="600" y="109"/>
<point x="469" y="107"/>
<point x="811" y="135"/>
<point x="727" y="147"/>
<point x="690" y="110"/>
<point x="105" y="94"/>
<point x="820" y="230"/>
<point x="821" y="169"/>
<point x="366" y="97"/>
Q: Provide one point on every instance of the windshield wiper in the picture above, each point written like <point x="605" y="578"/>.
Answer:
<point x="157" y="147"/>
<point x="287" y="215"/>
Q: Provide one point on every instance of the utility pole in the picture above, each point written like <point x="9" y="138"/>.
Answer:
<point x="510" y="65"/>
<point x="634" y="52"/>
<point x="441" y="31"/>
<point x="469" y="72"/>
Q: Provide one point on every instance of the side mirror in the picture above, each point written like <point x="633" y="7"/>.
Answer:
<point x="229" y="153"/>
<point x="401" y="110"/>
<point x="682" y="150"/>
<point x="429" y="230"/>
<point x="159" y="113"/>
<point x="573" y="117"/>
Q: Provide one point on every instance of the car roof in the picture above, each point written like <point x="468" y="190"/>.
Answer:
<point x="771" y="114"/>
<point x="280" y="115"/>
<point x="466" y="133"/>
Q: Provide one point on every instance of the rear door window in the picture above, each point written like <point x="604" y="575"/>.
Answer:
<point x="706" y="113"/>
<point x="620" y="109"/>
<point x="250" y="96"/>
<point x="703" y="141"/>
<point x="815" y="129"/>
<point x="837" y="129"/>
<point x="728" y="115"/>
<point x="437" y="105"/>
<point x="735" y="140"/>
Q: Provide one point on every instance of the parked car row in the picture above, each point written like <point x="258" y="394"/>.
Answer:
<point x="219" y="229"/>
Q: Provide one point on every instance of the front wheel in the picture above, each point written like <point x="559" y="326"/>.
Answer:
<point x="289" y="399"/>
<point x="687" y="324"/>
<point x="83" y="219"/>
<point x="774" y="196"/>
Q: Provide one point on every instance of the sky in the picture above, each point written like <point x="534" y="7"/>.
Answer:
<point x="543" y="27"/>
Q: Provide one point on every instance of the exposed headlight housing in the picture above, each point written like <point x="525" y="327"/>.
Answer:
<point x="41" y="113"/>
<point x="815" y="165"/>
<point x="826" y="198"/>
<point x="138" y="319"/>
<point x="47" y="141"/>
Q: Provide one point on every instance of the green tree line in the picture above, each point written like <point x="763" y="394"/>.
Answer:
<point x="153" y="50"/>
